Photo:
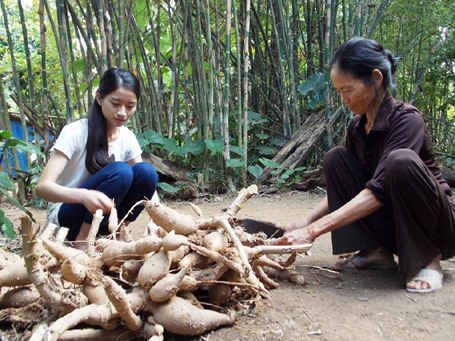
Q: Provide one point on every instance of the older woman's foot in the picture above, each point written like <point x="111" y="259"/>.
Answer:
<point x="377" y="258"/>
<point x="427" y="279"/>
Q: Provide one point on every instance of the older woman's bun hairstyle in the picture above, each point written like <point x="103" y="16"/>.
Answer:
<point x="360" y="56"/>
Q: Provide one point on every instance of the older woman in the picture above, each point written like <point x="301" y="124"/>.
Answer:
<point x="385" y="193"/>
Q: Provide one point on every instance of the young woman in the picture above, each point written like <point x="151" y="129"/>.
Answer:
<point x="385" y="193"/>
<point x="96" y="162"/>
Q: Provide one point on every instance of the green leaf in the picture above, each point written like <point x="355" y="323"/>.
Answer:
<point x="168" y="188"/>
<point x="6" y="226"/>
<point x="215" y="146"/>
<point x="153" y="137"/>
<point x="235" y="162"/>
<point x="16" y="203"/>
<point x="13" y="142"/>
<point x="195" y="148"/>
<point x="269" y="163"/>
<point x="315" y="83"/>
<point x="142" y="141"/>
<point x="237" y="150"/>
<point x="29" y="148"/>
<point x="171" y="146"/>
<point x="255" y="170"/>
<point x="266" y="150"/>
<point x="262" y="136"/>
<point x="289" y="171"/>
<point x="5" y="181"/>
<point x="5" y="134"/>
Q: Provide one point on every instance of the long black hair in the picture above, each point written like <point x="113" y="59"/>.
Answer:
<point x="97" y="141"/>
<point x="358" y="57"/>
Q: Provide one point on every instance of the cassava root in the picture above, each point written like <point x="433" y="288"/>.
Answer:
<point x="156" y="277"/>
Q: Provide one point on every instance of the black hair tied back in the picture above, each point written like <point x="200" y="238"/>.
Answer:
<point x="97" y="141"/>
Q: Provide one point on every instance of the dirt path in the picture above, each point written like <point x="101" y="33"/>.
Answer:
<point x="366" y="305"/>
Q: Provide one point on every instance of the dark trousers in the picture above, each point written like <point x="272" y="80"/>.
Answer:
<point x="125" y="184"/>
<point x="417" y="222"/>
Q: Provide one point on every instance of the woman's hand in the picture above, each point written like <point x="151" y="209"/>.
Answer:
<point x="296" y="237"/>
<point x="151" y="229"/>
<point x="94" y="200"/>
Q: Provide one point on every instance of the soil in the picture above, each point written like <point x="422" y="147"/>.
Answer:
<point x="363" y="305"/>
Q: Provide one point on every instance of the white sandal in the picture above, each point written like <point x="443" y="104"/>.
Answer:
<point x="431" y="276"/>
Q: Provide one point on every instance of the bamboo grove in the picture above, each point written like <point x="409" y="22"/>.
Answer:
<point x="225" y="83"/>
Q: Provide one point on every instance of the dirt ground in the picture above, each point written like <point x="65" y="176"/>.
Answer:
<point x="365" y="305"/>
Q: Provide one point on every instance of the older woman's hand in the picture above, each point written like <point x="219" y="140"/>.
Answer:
<point x="296" y="237"/>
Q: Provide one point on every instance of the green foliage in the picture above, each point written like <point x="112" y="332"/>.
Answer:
<point x="7" y="184"/>
<point x="168" y="188"/>
<point x="313" y="90"/>
<point x="409" y="29"/>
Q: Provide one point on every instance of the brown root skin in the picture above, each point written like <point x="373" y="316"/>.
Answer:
<point x="180" y="316"/>
<point x="167" y="286"/>
<point x="96" y="294"/>
<point x="219" y="293"/>
<point x="189" y="283"/>
<point x="170" y="219"/>
<point x="173" y="241"/>
<point x="210" y="274"/>
<point x="116" y="253"/>
<point x="193" y="260"/>
<point x="97" y="334"/>
<point x="130" y="269"/>
<point x="119" y="300"/>
<point x="62" y="253"/>
<point x="92" y="233"/>
<point x="7" y="258"/>
<point x="34" y="269"/>
<point x="73" y="272"/>
<point x="14" y="275"/>
<point x="269" y="283"/>
<point x="100" y="315"/>
<point x="266" y="261"/>
<point x="154" y="268"/>
<point x="216" y="241"/>
<point x="179" y="254"/>
<point x="113" y="221"/>
<point x="19" y="297"/>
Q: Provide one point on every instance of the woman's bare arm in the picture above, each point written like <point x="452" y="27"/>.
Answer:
<point x="359" y="207"/>
<point x="49" y="190"/>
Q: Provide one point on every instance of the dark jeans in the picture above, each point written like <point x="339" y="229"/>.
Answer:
<point x="418" y="221"/>
<point x="125" y="184"/>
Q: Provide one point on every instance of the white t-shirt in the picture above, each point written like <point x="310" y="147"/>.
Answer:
<point x="72" y="142"/>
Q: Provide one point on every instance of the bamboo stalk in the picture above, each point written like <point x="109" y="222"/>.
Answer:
<point x="19" y="176"/>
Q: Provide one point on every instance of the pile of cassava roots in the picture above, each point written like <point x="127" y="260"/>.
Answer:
<point x="186" y="277"/>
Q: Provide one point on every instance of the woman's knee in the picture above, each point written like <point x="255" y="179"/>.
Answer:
<point x="146" y="174"/>
<point x="120" y="174"/>
<point x="400" y="161"/>
<point x="334" y="157"/>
